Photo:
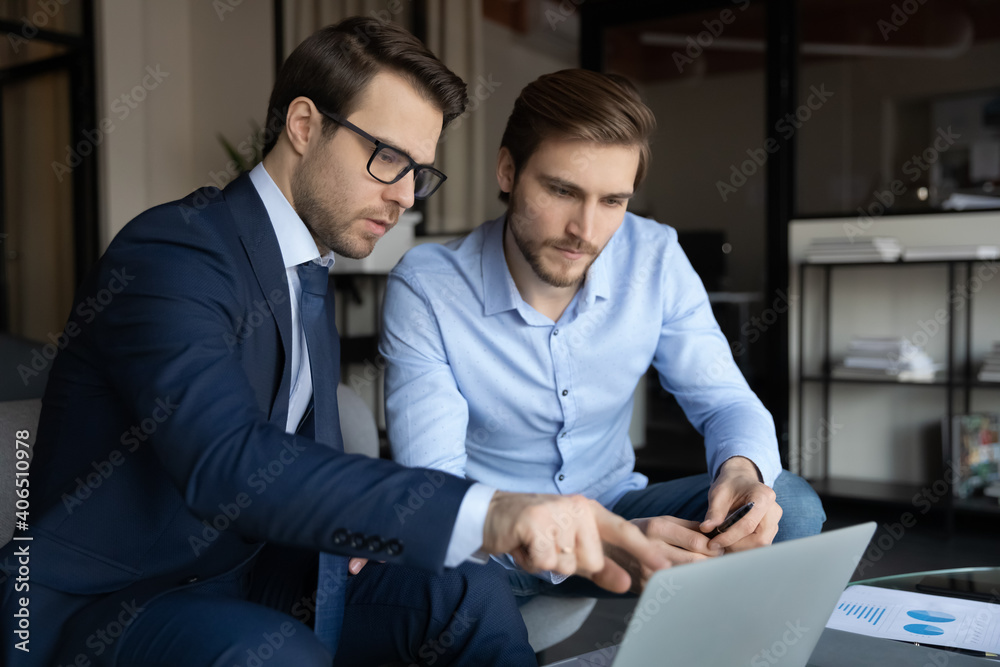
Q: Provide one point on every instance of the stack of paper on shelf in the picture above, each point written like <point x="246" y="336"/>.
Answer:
<point x="835" y="250"/>
<point x="990" y="372"/>
<point x="926" y="253"/>
<point x="886" y="358"/>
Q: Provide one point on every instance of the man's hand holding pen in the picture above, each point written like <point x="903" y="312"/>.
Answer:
<point x="742" y="514"/>
<point x="738" y="483"/>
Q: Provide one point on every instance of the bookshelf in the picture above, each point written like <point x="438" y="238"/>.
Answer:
<point x="957" y="382"/>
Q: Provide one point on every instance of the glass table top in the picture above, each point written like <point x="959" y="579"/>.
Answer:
<point x="974" y="583"/>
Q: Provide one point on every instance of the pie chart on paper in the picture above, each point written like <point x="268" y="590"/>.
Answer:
<point x="916" y="617"/>
<point x="931" y="616"/>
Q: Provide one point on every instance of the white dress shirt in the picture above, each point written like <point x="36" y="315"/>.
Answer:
<point x="298" y="247"/>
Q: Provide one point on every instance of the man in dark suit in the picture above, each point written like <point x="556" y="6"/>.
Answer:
<point x="191" y="501"/>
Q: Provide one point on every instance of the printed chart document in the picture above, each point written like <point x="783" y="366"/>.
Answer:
<point x="918" y="617"/>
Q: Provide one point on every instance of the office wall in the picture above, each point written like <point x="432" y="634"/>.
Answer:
<point x="171" y="75"/>
<point x="514" y="62"/>
<point x="702" y="130"/>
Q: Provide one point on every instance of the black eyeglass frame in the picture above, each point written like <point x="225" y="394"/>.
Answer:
<point x="413" y="165"/>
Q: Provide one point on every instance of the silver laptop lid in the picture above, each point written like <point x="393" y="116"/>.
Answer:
<point x="758" y="608"/>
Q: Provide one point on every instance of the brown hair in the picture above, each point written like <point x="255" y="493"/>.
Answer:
<point x="578" y="104"/>
<point x="333" y="66"/>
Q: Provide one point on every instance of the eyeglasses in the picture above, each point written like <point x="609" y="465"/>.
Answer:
<point x="389" y="164"/>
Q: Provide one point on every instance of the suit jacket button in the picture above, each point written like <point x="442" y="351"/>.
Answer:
<point x="375" y="544"/>
<point x="340" y="536"/>
<point x="357" y="541"/>
<point x="394" y="547"/>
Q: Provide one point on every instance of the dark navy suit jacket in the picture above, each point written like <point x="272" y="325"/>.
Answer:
<point x="161" y="455"/>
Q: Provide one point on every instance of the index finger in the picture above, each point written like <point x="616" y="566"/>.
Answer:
<point x="680" y="533"/>
<point x="625" y="535"/>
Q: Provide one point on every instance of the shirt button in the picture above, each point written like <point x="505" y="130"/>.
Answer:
<point x="562" y="477"/>
<point x="563" y="435"/>
<point x="555" y="332"/>
<point x="565" y="392"/>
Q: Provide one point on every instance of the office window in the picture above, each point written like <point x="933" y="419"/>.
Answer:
<point x="899" y="107"/>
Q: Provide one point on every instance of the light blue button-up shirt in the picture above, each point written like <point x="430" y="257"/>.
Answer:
<point x="482" y="385"/>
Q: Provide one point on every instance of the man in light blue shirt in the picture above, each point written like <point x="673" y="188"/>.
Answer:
<point x="514" y="352"/>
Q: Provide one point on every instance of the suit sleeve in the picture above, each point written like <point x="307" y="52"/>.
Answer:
<point x="167" y="337"/>
<point x="696" y="365"/>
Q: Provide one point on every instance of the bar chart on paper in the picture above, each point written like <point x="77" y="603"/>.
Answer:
<point x="920" y="618"/>
<point x="868" y="613"/>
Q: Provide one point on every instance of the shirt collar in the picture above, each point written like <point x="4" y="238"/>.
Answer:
<point x="597" y="286"/>
<point x="500" y="292"/>
<point x="294" y="239"/>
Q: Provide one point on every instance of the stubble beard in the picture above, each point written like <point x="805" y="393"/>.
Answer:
<point x="329" y="219"/>
<point x="532" y="250"/>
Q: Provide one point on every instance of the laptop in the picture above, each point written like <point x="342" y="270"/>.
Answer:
<point x="762" y="608"/>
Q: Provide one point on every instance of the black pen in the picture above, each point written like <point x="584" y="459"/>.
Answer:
<point x="730" y="520"/>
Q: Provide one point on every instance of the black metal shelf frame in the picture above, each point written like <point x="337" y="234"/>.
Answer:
<point x="957" y="378"/>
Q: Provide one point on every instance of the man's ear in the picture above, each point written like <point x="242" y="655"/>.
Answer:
<point x="505" y="170"/>
<point x="302" y="123"/>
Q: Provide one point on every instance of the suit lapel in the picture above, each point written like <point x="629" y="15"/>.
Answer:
<point x="262" y="249"/>
<point x="261" y="244"/>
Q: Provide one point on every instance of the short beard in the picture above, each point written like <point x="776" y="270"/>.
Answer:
<point x="330" y="221"/>
<point x="533" y="253"/>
